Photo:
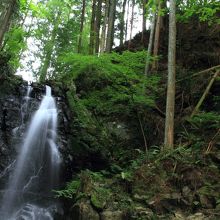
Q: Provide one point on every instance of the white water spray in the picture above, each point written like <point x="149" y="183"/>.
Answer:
<point x="37" y="166"/>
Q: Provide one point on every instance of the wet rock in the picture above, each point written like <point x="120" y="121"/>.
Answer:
<point x="83" y="211"/>
<point x="112" y="215"/>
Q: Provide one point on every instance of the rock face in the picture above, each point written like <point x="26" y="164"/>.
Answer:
<point x="10" y="120"/>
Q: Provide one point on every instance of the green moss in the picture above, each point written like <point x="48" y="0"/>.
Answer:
<point x="100" y="197"/>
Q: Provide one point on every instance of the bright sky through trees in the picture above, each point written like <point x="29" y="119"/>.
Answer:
<point x="28" y="55"/>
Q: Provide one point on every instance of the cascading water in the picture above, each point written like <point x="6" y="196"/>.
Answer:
<point x="37" y="166"/>
<point x="24" y="107"/>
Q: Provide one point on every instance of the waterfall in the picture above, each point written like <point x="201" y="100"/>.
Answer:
<point x="37" y="166"/>
<point x="24" y="107"/>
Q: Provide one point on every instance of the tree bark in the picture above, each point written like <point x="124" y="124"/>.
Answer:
<point x="6" y="20"/>
<point x="103" y="35"/>
<point x="131" y="23"/>
<point x="150" y="44"/>
<point x="82" y="25"/>
<point x="122" y="23"/>
<point x="127" y="19"/>
<point x="111" y="21"/>
<point x="157" y="38"/>
<point x="170" y="104"/>
<point x="144" y="21"/>
<point x="98" y="24"/>
<point x="92" y="29"/>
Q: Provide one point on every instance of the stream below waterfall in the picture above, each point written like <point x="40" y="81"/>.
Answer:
<point x="35" y="174"/>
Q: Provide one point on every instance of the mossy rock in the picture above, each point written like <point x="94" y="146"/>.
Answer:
<point x="99" y="198"/>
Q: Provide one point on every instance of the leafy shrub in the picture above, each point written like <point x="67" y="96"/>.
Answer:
<point x="110" y="84"/>
<point x="70" y="190"/>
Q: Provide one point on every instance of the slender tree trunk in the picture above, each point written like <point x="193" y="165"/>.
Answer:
<point x="98" y="24"/>
<point x="122" y="23"/>
<point x="144" y="21"/>
<point x="6" y="20"/>
<point x="150" y="44"/>
<point x="127" y="20"/>
<point x="111" y="21"/>
<point x="169" y="122"/>
<point x="157" y="37"/>
<point x="92" y="29"/>
<point x="103" y="35"/>
<point x="113" y="24"/>
<point x="82" y="25"/>
<point x="131" y="23"/>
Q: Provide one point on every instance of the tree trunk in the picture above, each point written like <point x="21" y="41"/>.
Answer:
<point x="103" y="35"/>
<point x="157" y="37"/>
<point x="111" y="21"/>
<point x="131" y="23"/>
<point x="82" y="25"/>
<point x="127" y="19"/>
<point x="144" y="21"/>
<point x="98" y="24"/>
<point x="122" y="23"/>
<point x="150" y="44"/>
<point x="169" y="122"/>
<point x="6" y="20"/>
<point x="92" y="29"/>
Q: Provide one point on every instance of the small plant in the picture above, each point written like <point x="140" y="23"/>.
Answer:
<point x="70" y="190"/>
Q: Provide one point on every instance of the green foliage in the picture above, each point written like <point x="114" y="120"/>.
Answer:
<point x="95" y="176"/>
<point x="15" y="44"/>
<point x="100" y="197"/>
<point x="70" y="190"/>
<point x="207" y="11"/>
<point x="179" y="155"/>
<point x="110" y="82"/>
<point x="152" y="7"/>
<point x="103" y="94"/>
<point x="206" y="120"/>
<point x="85" y="185"/>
